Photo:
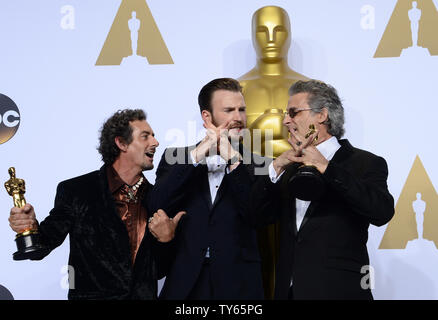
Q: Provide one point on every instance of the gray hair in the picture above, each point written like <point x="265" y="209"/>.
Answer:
<point x="322" y="95"/>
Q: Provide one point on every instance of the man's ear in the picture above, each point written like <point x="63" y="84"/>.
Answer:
<point x="121" y="144"/>
<point x="323" y="115"/>
<point x="206" y="115"/>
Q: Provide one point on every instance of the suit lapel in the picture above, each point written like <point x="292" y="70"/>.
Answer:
<point x="340" y="155"/>
<point x="344" y="151"/>
<point x="221" y="190"/>
<point x="205" y="185"/>
<point x="293" y="218"/>
<point x="108" y="200"/>
<point x="308" y="213"/>
<point x="290" y="201"/>
<point x="112" y="219"/>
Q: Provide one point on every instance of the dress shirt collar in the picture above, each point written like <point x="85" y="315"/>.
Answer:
<point x="215" y="163"/>
<point x="114" y="180"/>
<point x="329" y="147"/>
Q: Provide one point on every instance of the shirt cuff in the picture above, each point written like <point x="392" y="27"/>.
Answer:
<point x="273" y="174"/>
<point x="193" y="158"/>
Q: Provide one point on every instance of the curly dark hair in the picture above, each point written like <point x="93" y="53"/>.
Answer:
<point x="117" y="126"/>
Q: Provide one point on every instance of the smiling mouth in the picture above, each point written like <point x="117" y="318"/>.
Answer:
<point x="150" y="154"/>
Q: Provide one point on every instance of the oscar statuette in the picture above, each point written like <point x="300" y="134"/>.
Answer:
<point x="27" y="241"/>
<point x="265" y="88"/>
<point x="307" y="183"/>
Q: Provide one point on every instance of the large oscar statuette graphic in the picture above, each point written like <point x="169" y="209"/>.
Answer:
<point x="27" y="241"/>
<point x="307" y="183"/>
<point x="265" y="88"/>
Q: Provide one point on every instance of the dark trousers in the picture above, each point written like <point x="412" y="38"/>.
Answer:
<point x="203" y="289"/>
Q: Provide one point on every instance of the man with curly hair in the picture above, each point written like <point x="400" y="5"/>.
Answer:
<point x="105" y="212"/>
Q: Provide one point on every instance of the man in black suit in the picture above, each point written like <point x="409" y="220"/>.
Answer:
<point x="323" y="253"/>
<point x="105" y="213"/>
<point x="216" y="254"/>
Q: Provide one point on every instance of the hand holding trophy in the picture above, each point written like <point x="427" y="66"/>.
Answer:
<point x="307" y="183"/>
<point x="27" y="240"/>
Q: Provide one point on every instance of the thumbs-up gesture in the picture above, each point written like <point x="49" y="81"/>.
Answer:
<point x="162" y="227"/>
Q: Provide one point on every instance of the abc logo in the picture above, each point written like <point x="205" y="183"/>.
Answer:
<point x="9" y="118"/>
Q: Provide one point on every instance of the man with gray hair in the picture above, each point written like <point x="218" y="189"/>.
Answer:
<point x="323" y="253"/>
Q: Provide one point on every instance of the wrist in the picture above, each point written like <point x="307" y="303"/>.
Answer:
<point x="168" y="237"/>
<point x="197" y="154"/>
<point x="277" y="166"/>
<point x="234" y="157"/>
<point x="322" y="166"/>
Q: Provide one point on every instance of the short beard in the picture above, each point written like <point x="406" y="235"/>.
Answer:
<point x="147" y="167"/>
<point x="213" y="120"/>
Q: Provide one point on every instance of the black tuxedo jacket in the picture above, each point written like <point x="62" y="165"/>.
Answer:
<point x="327" y="258"/>
<point x="99" y="242"/>
<point x="225" y="226"/>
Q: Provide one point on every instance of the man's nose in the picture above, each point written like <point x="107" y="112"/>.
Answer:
<point x="286" y="120"/>
<point x="155" y="142"/>
<point x="237" y="116"/>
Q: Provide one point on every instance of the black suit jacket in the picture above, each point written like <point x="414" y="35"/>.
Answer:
<point x="225" y="226"/>
<point x="325" y="257"/>
<point x="99" y="242"/>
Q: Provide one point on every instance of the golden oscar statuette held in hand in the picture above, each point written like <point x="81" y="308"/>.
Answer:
<point x="307" y="183"/>
<point x="28" y="241"/>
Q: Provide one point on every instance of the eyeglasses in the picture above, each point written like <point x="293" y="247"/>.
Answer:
<point x="292" y="112"/>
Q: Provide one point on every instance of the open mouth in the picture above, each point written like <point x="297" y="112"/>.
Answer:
<point x="150" y="154"/>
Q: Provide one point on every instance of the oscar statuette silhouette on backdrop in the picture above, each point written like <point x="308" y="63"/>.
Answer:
<point x="265" y="89"/>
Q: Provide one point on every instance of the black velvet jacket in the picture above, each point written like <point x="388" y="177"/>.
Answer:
<point x="99" y="242"/>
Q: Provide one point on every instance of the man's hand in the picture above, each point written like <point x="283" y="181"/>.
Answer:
<point x="22" y="219"/>
<point x="311" y="156"/>
<point x="211" y="140"/>
<point x="298" y="144"/>
<point x="228" y="153"/>
<point x="162" y="227"/>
